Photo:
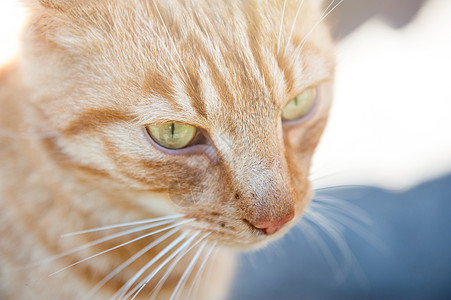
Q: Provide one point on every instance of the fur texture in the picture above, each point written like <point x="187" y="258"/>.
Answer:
<point x="92" y="74"/>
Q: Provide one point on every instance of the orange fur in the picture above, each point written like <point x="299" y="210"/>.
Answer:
<point x="92" y="74"/>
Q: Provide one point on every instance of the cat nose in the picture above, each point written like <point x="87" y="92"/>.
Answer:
<point x="272" y="226"/>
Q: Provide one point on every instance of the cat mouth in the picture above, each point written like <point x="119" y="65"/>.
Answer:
<point x="240" y="233"/>
<point x="248" y="236"/>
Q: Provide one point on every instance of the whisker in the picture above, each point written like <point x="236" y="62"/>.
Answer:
<point x="315" y="238"/>
<point x="93" y="243"/>
<point x="168" y="52"/>
<point x="338" y="215"/>
<point x="172" y="266"/>
<point x="130" y="261"/>
<point x="319" y="180"/>
<point x="281" y="26"/>
<point x="293" y="26"/>
<point x="345" y="207"/>
<point x="182" y="282"/>
<point x="121" y="245"/>
<point x="306" y="230"/>
<point x="172" y="40"/>
<point x="166" y="275"/>
<point x="209" y="269"/>
<point x="351" y="263"/>
<point x="327" y="8"/>
<point x="336" y="236"/>
<point x="138" y="288"/>
<point x="121" y="225"/>
<point x="120" y="293"/>
<point x="354" y="222"/>
<point x="335" y="188"/>
<point x="200" y="271"/>
<point x="323" y="16"/>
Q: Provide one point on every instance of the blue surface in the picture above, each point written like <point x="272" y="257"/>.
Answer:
<point x="405" y="253"/>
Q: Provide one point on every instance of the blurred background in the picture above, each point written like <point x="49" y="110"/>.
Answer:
<point x="389" y="125"/>
<point x="380" y="224"/>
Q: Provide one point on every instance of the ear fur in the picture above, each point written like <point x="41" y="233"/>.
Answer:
<point x="58" y="5"/>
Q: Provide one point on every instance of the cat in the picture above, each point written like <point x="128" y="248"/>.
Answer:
<point x="187" y="125"/>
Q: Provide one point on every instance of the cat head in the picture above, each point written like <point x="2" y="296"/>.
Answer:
<point x="219" y="104"/>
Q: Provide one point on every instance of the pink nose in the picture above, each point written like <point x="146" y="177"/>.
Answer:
<point x="270" y="227"/>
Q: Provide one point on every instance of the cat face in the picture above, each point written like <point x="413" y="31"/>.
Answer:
<point x="226" y="70"/>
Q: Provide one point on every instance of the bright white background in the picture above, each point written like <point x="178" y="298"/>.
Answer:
<point x="391" y="122"/>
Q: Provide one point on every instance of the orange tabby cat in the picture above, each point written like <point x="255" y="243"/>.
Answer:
<point x="198" y="116"/>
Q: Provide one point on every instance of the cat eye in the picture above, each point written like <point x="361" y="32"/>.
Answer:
<point x="300" y="106"/>
<point x="172" y="135"/>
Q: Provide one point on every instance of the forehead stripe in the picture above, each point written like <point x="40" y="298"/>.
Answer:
<point x="222" y="87"/>
<point x="194" y="91"/>
<point x="92" y="119"/>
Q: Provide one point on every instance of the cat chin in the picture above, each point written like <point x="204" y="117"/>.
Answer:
<point x="255" y="245"/>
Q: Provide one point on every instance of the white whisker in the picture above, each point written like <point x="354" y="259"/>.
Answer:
<point x="122" y="245"/>
<point x="140" y="286"/>
<point x="307" y="231"/>
<point x="327" y="8"/>
<point x="337" y="214"/>
<point x="319" y="180"/>
<point x="281" y="25"/>
<point x="353" y="225"/>
<point x="199" y="274"/>
<point x="120" y="293"/>
<point x="94" y="243"/>
<point x="129" y="261"/>
<point x="171" y="268"/>
<point x="335" y="188"/>
<point x="317" y="240"/>
<point x="166" y="275"/>
<point x="346" y="208"/>
<point x="122" y="225"/>
<point x="182" y="282"/>
<point x="209" y="269"/>
<point x="323" y="16"/>
<point x="168" y="52"/>
<point x="354" y="219"/>
<point x="335" y="233"/>
<point x="293" y="26"/>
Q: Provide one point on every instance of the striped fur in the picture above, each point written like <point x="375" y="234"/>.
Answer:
<point x="92" y="74"/>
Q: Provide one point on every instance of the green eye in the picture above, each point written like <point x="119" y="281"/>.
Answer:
<point x="300" y="106"/>
<point x="172" y="135"/>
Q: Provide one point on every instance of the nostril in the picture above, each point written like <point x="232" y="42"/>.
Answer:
<point x="272" y="226"/>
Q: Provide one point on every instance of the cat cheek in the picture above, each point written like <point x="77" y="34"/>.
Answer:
<point x="311" y="137"/>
